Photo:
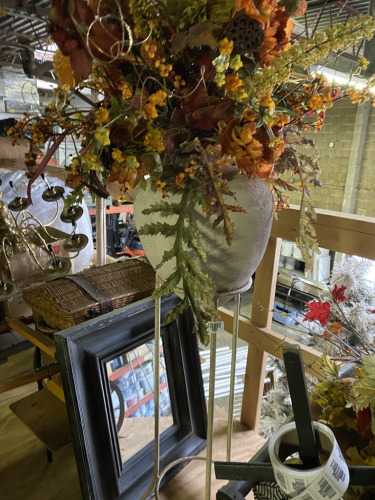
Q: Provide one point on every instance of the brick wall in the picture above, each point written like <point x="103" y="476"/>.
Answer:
<point x="334" y="144"/>
<point x="365" y="199"/>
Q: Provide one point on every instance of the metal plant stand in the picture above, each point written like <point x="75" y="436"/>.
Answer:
<point x="211" y="394"/>
<point x="158" y="475"/>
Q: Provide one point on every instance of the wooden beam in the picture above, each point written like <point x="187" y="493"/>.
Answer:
<point x="42" y="341"/>
<point x="265" y="339"/>
<point x="4" y="327"/>
<point x="263" y="299"/>
<point x="265" y="284"/>
<point x="28" y="378"/>
<point x="56" y="389"/>
<point x="346" y="233"/>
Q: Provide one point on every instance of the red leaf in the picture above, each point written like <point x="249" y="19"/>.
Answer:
<point x="338" y="293"/>
<point x="319" y="311"/>
<point x="363" y="421"/>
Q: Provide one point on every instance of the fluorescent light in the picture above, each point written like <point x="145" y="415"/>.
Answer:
<point x="333" y="76"/>
<point x="46" y="53"/>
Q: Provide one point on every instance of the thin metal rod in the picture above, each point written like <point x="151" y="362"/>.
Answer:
<point x="236" y="315"/>
<point x="210" y="416"/>
<point x="101" y="243"/>
<point x="155" y="477"/>
<point x="157" y="389"/>
<point x="170" y="466"/>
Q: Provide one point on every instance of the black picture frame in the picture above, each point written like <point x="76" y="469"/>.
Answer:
<point x="83" y="351"/>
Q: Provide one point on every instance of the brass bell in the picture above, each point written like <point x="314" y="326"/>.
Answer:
<point x="7" y="290"/>
<point x="75" y="242"/>
<point x="18" y="203"/>
<point x="57" y="266"/>
<point x="72" y="214"/>
<point x="52" y="193"/>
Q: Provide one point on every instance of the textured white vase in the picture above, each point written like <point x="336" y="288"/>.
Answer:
<point x="231" y="267"/>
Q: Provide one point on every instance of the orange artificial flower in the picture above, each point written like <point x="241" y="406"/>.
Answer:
<point x="251" y="145"/>
<point x="126" y="90"/>
<point x="267" y="102"/>
<point x="277" y="36"/>
<point x="327" y="94"/>
<point x="261" y="10"/>
<point x="335" y="327"/>
<point x="158" y="99"/>
<point x="280" y="120"/>
<point x="233" y="84"/>
<point x="316" y="102"/>
<point x="150" y="110"/>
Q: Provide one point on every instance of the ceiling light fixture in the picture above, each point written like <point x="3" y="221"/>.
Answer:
<point x="333" y="76"/>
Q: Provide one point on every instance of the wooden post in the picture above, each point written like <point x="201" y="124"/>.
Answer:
<point x="261" y="315"/>
<point x="101" y="243"/>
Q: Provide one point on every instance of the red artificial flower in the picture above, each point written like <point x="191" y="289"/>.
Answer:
<point x="363" y="421"/>
<point x="338" y="293"/>
<point x="319" y="311"/>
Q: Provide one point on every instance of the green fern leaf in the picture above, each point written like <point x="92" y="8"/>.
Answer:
<point x="157" y="228"/>
<point x="167" y="255"/>
<point x="163" y="206"/>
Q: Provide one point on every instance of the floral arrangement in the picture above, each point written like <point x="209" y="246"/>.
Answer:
<point x="182" y="90"/>
<point x="345" y="314"/>
<point x="347" y="406"/>
<point x="345" y="397"/>
<point x="341" y="325"/>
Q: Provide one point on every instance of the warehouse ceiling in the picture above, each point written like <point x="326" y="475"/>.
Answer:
<point x="24" y="32"/>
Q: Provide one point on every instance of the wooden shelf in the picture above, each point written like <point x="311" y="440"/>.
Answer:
<point x="126" y="368"/>
<point x="119" y="372"/>
<point x="27" y="378"/>
<point x="114" y="210"/>
<point x="292" y="257"/>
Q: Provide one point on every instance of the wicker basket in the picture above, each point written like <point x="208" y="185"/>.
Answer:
<point x="65" y="302"/>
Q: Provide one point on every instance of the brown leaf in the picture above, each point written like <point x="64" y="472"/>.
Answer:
<point x="81" y="62"/>
<point x="122" y="133"/>
<point x="82" y="12"/>
<point x="180" y="42"/>
<point x="208" y="116"/>
<point x="103" y="40"/>
<point x="199" y="35"/>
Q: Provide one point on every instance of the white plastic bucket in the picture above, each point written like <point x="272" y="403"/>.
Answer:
<point x="287" y="248"/>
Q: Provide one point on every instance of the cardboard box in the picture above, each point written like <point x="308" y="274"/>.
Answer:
<point x="284" y="314"/>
